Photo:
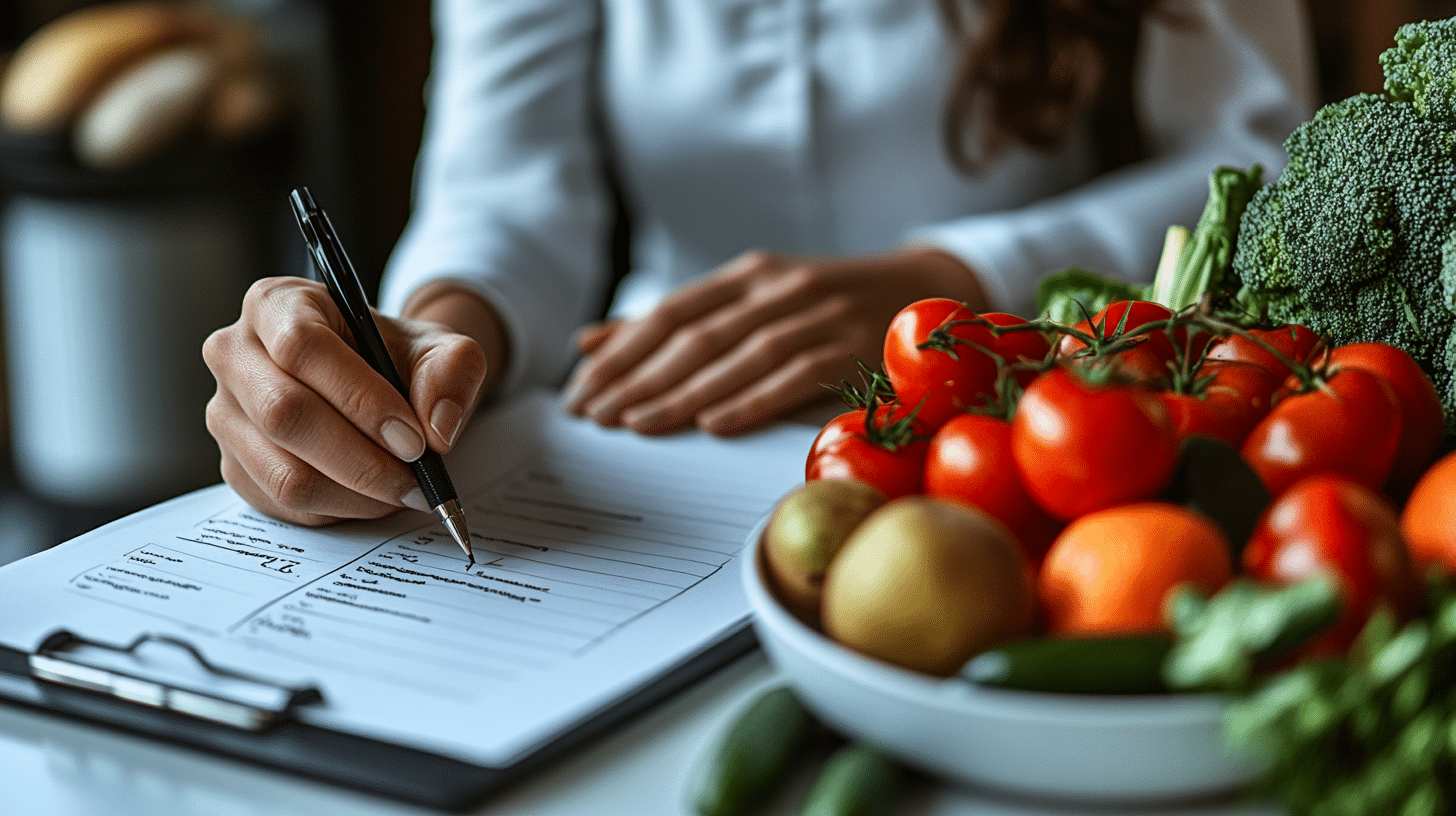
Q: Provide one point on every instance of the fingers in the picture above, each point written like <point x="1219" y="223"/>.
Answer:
<point x="590" y="338"/>
<point x="770" y="327"/>
<point x="457" y="346"/>
<point x="631" y="342"/>
<point x="301" y="340"/>
<point x="287" y="438"/>
<point x="754" y="339"/>
<point x="277" y="482"/>
<point x="790" y="386"/>
<point x="449" y="372"/>
<point x="308" y="431"/>
<point x="776" y="369"/>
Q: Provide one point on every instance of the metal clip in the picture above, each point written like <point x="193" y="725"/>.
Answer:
<point x="253" y="703"/>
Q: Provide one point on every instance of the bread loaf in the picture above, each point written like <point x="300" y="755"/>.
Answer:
<point x="56" y="71"/>
<point x="147" y="108"/>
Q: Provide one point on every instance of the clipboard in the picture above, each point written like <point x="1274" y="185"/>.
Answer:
<point x="273" y="738"/>
<point x="181" y="622"/>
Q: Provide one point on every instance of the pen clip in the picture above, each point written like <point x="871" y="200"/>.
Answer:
<point x="318" y="233"/>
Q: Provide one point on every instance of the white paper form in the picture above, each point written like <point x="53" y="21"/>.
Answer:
<point x="604" y="559"/>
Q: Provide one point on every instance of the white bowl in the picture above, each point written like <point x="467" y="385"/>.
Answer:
<point x="1095" y="749"/>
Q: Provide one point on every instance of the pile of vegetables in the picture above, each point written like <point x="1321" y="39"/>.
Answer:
<point x="1134" y="452"/>
<point x="1356" y="239"/>
<point x="1239" y="478"/>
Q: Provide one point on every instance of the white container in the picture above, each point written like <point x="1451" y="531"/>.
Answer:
<point x="107" y="304"/>
<point x="1100" y="750"/>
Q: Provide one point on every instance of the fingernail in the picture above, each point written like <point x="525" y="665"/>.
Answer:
<point x="571" y="396"/>
<point x="402" y="440"/>
<point x="642" y="419"/>
<point x="447" y="419"/>
<point x="604" y="412"/>
<point x="415" y="500"/>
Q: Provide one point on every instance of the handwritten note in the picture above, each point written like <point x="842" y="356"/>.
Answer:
<point x="603" y="559"/>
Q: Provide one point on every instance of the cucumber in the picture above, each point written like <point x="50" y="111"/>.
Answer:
<point x="755" y="755"/>
<point x="856" y="781"/>
<point x="1114" y="664"/>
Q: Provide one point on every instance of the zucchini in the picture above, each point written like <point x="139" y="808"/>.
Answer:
<point x="1114" y="664"/>
<point x="856" y="781"/>
<point x="755" y="754"/>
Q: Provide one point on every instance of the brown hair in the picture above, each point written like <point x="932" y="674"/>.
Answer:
<point x="1034" y="68"/>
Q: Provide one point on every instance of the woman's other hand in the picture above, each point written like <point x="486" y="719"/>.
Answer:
<point x="309" y="433"/>
<point x="754" y="340"/>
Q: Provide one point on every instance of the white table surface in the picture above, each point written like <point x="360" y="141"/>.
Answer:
<point x="55" y="767"/>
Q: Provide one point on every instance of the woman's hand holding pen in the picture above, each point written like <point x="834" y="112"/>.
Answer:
<point x="755" y="339"/>
<point x="311" y="434"/>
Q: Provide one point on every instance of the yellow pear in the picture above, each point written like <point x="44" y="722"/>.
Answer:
<point x="926" y="584"/>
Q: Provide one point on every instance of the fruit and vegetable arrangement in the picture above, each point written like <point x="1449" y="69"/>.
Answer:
<point x="1239" y="478"/>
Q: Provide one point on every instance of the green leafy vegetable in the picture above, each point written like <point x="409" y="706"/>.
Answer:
<point x="1357" y="237"/>
<point x="1222" y="643"/>
<point x="1373" y="731"/>
<point x="1192" y="264"/>
<point x="1073" y="295"/>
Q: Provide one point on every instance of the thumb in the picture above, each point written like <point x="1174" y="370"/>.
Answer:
<point x="447" y="373"/>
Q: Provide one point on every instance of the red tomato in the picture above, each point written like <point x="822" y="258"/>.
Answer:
<point x="1081" y="447"/>
<point x="939" y="382"/>
<point x="852" y="422"/>
<point x="1350" y="424"/>
<point x="885" y="453"/>
<point x="1023" y="347"/>
<point x="1423" y="425"/>
<point x="1228" y="401"/>
<point x="1329" y="525"/>
<point x="1142" y="363"/>
<point x="1122" y="317"/>
<point x="969" y="461"/>
<point x="1297" y="343"/>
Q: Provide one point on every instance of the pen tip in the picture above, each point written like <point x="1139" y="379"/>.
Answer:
<point x="453" y="518"/>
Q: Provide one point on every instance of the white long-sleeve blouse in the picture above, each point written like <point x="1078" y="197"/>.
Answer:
<point x="800" y="127"/>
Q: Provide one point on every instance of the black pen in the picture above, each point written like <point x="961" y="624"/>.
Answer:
<point x="348" y="293"/>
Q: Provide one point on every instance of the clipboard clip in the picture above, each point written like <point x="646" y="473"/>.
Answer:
<point x="204" y="691"/>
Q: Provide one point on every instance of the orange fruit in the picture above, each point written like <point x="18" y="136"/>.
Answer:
<point x="1428" y="521"/>
<point x="1110" y="570"/>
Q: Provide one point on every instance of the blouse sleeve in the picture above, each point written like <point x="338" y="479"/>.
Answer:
<point x="1221" y="82"/>
<point x="509" y="198"/>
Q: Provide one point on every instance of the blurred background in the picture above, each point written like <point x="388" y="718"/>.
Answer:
<point x="130" y="231"/>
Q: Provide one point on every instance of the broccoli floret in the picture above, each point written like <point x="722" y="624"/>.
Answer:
<point x="1420" y="69"/>
<point x="1357" y="237"/>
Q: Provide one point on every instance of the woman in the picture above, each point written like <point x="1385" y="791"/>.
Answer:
<point x="793" y="172"/>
